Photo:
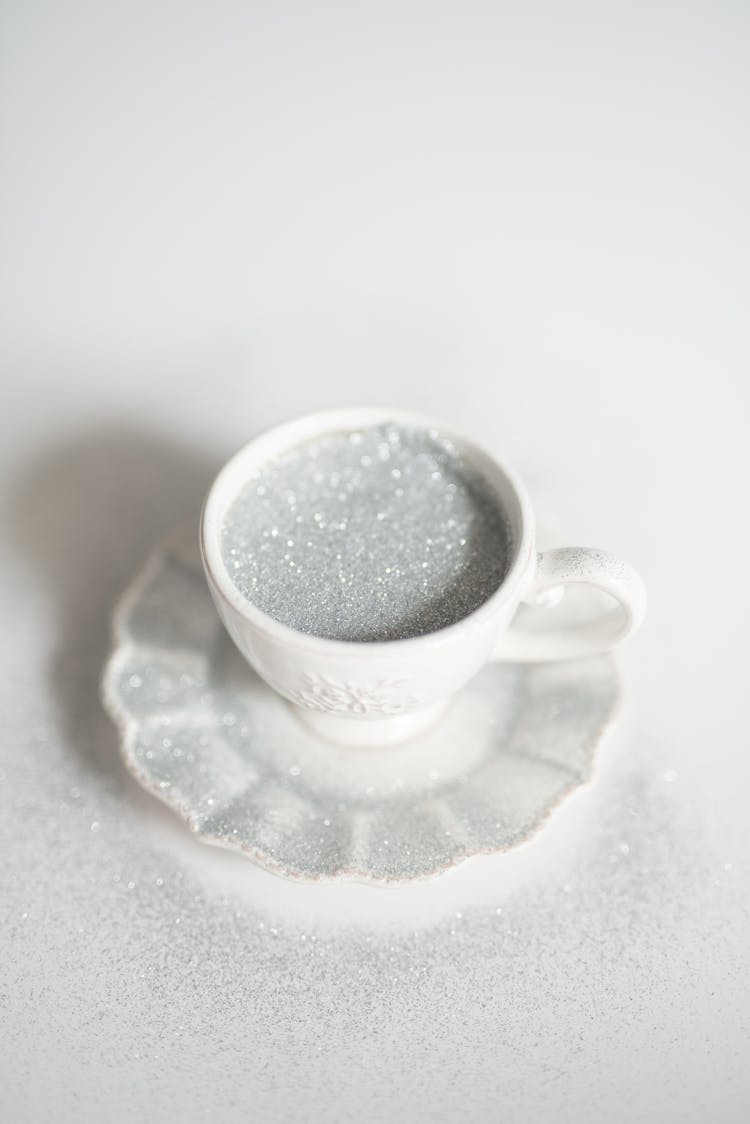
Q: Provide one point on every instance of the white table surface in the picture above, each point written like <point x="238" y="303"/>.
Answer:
<point x="530" y="220"/>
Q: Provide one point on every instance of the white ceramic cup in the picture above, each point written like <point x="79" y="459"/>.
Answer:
<point x="367" y="694"/>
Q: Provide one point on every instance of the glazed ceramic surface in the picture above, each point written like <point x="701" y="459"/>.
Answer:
<point x="205" y="734"/>
<point x="368" y="694"/>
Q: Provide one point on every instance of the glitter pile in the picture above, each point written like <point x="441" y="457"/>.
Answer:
<point x="376" y="534"/>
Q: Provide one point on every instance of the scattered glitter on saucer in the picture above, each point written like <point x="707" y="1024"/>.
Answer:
<point x="202" y="733"/>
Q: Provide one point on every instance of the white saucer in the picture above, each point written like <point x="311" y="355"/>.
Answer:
<point x="205" y="735"/>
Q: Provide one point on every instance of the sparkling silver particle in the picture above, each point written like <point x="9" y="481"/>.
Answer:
<point x="377" y="534"/>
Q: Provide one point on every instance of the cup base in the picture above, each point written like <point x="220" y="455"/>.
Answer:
<point x="370" y="733"/>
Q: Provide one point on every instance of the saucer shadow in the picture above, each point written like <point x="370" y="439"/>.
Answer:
<point x="85" y="516"/>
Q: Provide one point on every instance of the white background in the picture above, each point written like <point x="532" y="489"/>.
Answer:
<point x="532" y="221"/>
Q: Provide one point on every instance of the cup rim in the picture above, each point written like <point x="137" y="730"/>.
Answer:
<point x="275" y="440"/>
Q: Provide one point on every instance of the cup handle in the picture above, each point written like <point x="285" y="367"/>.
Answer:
<point x="556" y="569"/>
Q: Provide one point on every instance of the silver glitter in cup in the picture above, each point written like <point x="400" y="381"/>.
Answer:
<point x="376" y="534"/>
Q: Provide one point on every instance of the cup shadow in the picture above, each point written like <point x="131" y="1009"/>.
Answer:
<point x="85" y="515"/>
